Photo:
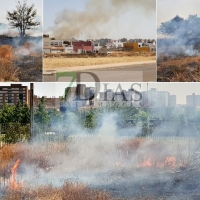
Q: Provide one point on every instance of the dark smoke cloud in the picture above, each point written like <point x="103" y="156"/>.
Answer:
<point x="70" y="23"/>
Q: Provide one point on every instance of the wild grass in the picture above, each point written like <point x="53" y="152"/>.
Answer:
<point x="7" y="70"/>
<point x="39" y="156"/>
<point x="116" y="57"/>
<point x="179" y="69"/>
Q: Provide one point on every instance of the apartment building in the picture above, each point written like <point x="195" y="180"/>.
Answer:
<point x="13" y="93"/>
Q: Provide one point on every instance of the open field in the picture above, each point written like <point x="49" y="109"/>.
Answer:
<point x="101" y="168"/>
<point x="61" y="61"/>
<point x="178" y="69"/>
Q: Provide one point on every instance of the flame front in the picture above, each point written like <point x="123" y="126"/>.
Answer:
<point x="13" y="182"/>
<point x="169" y="161"/>
<point x="5" y="51"/>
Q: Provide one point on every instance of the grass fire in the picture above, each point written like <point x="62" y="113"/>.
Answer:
<point x="101" y="165"/>
<point x="179" y="50"/>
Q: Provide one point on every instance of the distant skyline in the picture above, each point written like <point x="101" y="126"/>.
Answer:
<point x="167" y="10"/>
<point x="85" y="19"/>
<point x="57" y="89"/>
<point x="11" y="5"/>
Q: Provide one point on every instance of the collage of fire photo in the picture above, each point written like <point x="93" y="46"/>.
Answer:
<point x="100" y="100"/>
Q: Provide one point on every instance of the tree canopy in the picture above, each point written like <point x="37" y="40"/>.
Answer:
<point x="22" y="18"/>
<point x="180" y="27"/>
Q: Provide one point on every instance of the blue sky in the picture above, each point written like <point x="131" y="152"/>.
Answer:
<point x="179" y="89"/>
<point x="134" y="22"/>
<point x="10" y="5"/>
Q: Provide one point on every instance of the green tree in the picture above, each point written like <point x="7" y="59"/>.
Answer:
<point x="180" y="27"/>
<point x="41" y="115"/>
<point x="17" y="112"/>
<point x="66" y="42"/>
<point x="22" y="18"/>
<point x="54" y="115"/>
<point x="7" y="113"/>
<point x="26" y="117"/>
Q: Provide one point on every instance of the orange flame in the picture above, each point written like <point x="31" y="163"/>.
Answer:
<point x="6" y="51"/>
<point x="13" y="182"/>
<point x="170" y="161"/>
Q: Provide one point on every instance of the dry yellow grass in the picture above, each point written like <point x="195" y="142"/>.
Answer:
<point x="52" y="63"/>
<point x="185" y="69"/>
<point x="69" y="191"/>
<point x="7" y="70"/>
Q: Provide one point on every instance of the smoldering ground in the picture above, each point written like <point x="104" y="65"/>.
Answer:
<point x="97" y="18"/>
<point x="125" y="168"/>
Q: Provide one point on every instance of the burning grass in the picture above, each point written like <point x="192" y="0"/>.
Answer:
<point x="178" y="69"/>
<point x="21" y="63"/>
<point x="7" y="70"/>
<point x="59" y="62"/>
<point x="102" y="168"/>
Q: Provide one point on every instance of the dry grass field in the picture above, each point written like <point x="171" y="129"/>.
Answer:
<point x="7" y="70"/>
<point x="179" y="69"/>
<point x="46" y="157"/>
<point x="52" y="62"/>
<point x="22" y="68"/>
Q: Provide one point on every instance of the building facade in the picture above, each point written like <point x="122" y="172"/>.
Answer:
<point x="50" y="102"/>
<point x="136" y="47"/>
<point x="193" y="100"/>
<point x="14" y="93"/>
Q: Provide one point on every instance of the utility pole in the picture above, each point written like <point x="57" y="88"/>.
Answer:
<point x="31" y="109"/>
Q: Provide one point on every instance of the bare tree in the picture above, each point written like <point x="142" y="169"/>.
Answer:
<point x="22" y="18"/>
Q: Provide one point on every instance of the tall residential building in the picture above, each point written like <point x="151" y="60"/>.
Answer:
<point x="13" y="93"/>
<point x="154" y="98"/>
<point x="193" y="100"/>
<point x="172" y="100"/>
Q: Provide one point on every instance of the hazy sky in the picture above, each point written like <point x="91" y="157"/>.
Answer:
<point x="168" y="9"/>
<point x="132" y="21"/>
<point x="179" y="89"/>
<point x="10" y="5"/>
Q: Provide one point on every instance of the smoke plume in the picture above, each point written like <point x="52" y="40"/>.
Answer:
<point x="104" y="160"/>
<point x="72" y="24"/>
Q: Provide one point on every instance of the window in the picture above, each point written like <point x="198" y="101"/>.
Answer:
<point x="21" y="96"/>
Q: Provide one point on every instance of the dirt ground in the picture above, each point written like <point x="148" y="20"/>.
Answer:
<point x="60" y="61"/>
<point x="179" y="69"/>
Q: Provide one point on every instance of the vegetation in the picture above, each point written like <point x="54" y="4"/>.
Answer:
<point x="15" y="122"/>
<point x="185" y="69"/>
<point x="8" y="72"/>
<point x="62" y="60"/>
<point x="184" y="28"/>
<point x="22" y="18"/>
<point x="66" y="42"/>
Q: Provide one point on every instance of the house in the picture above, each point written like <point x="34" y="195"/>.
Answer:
<point x="59" y="49"/>
<point x="69" y="49"/>
<point x="136" y="47"/>
<point x="83" y="46"/>
<point x="56" y="43"/>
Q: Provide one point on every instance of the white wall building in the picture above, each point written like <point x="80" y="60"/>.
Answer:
<point x="56" y="43"/>
<point x="69" y="49"/>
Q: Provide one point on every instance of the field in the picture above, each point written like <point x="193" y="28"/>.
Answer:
<point x="101" y="168"/>
<point x="58" y="61"/>
<point x="179" y="69"/>
<point x="22" y="62"/>
<point x="7" y="70"/>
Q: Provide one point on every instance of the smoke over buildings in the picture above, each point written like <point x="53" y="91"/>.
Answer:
<point x="98" y="17"/>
